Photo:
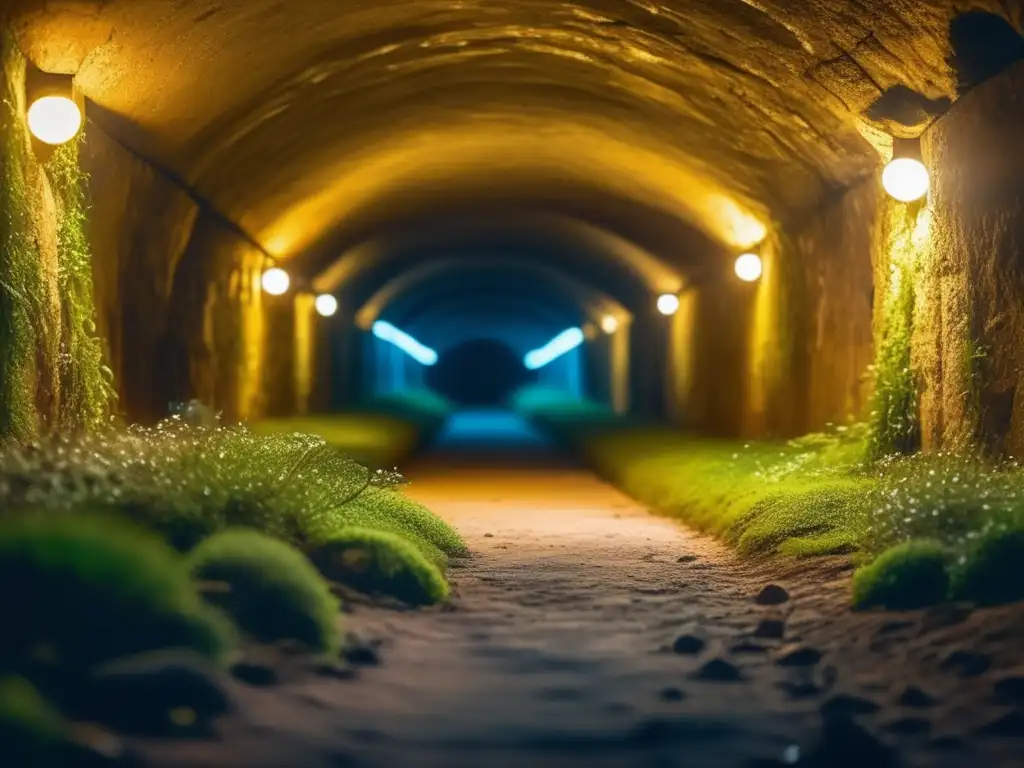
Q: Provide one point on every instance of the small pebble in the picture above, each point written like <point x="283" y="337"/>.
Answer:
<point x="748" y="647"/>
<point x="966" y="663"/>
<point x="718" y="671"/>
<point x="254" y="674"/>
<point x="915" y="698"/>
<point x="1007" y="725"/>
<point x="688" y="644"/>
<point x="488" y="535"/>
<point x="772" y="594"/>
<point x="671" y="694"/>
<point x="687" y="559"/>
<point x="362" y="655"/>
<point x="798" y="656"/>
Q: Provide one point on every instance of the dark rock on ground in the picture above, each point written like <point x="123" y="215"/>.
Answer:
<point x="967" y="663"/>
<point x="772" y="594"/>
<point x="846" y="705"/>
<point x="687" y="559"/>
<point x="770" y="629"/>
<point x="688" y="644"/>
<point x="847" y="744"/>
<point x="360" y="652"/>
<point x="1007" y="725"/>
<point x="671" y="694"/>
<point x="798" y="656"/>
<point x="165" y="693"/>
<point x="254" y="674"/>
<point x="1010" y="688"/>
<point x="719" y="671"/>
<point x="915" y="698"/>
<point x="488" y="535"/>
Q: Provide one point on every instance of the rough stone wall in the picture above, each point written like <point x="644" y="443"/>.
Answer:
<point x="178" y="293"/>
<point x="51" y="365"/>
<point x="969" y="335"/>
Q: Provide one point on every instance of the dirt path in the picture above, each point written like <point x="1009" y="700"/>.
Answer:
<point x="558" y="651"/>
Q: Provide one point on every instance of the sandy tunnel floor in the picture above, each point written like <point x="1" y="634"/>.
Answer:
<point x="557" y="650"/>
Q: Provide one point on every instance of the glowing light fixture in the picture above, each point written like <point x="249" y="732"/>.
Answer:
<point x="668" y="303"/>
<point x="326" y="305"/>
<point x="905" y="178"/>
<point x="276" y="281"/>
<point x="387" y="332"/>
<point x="54" y="119"/>
<point x="558" y="346"/>
<point x="609" y="324"/>
<point x="748" y="267"/>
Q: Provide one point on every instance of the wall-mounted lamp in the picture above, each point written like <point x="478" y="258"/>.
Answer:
<point x="668" y="303"/>
<point x="326" y="305"/>
<point x="748" y="267"/>
<point x="275" y="281"/>
<point x="905" y="178"/>
<point x="55" y="111"/>
<point x="609" y="324"/>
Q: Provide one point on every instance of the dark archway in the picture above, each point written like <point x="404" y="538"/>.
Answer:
<point x="480" y="372"/>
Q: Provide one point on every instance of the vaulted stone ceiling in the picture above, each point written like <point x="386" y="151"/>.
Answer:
<point x="301" y="119"/>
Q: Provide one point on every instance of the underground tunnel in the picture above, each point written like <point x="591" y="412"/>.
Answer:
<point x="601" y="382"/>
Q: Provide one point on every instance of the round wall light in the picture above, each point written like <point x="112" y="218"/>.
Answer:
<point x="748" y="267"/>
<point x="275" y="281"/>
<point x="326" y="305"/>
<point x="668" y="303"/>
<point x="905" y="178"/>
<point x="54" y="119"/>
<point x="609" y="324"/>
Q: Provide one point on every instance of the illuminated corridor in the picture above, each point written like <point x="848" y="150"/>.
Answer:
<point x="696" y="327"/>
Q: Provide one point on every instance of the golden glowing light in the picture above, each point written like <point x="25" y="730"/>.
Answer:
<point x="906" y="179"/>
<point x="326" y="305"/>
<point x="276" y="281"/>
<point x="668" y="303"/>
<point x="748" y="267"/>
<point x="54" y="119"/>
<point x="609" y="324"/>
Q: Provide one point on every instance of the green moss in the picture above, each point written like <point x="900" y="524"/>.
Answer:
<point x="993" y="568"/>
<point x="32" y="732"/>
<point x="911" y="575"/>
<point x="895" y="417"/>
<point x="374" y="562"/>
<point x="274" y="592"/>
<point x="24" y="316"/>
<point x="86" y="382"/>
<point x="91" y="589"/>
<point x="53" y="374"/>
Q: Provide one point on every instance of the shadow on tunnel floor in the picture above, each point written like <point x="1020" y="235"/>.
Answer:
<point x="494" y="437"/>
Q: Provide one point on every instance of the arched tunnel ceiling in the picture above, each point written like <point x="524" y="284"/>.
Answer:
<point x="610" y="265"/>
<point x="294" y="117"/>
<point x="438" y="279"/>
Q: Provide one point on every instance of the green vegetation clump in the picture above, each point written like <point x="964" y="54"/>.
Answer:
<point x="27" y="342"/>
<point x="374" y="562"/>
<point x="381" y="433"/>
<point x="993" y="570"/>
<point x="271" y="590"/>
<point x="32" y="732"/>
<point x="84" y="590"/>
<point x="820" y="494"/>
<point x="911" y="575"/>
<point x="188" y="482"/>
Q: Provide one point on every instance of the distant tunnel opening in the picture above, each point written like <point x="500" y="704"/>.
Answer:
<point x="479" y="373"/>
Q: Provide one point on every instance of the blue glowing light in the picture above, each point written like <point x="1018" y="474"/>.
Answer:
<point x="558" y="346"/>
<point x="418" y="352"/>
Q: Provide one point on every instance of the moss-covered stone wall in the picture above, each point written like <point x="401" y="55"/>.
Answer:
<point x="52" y="370"/>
